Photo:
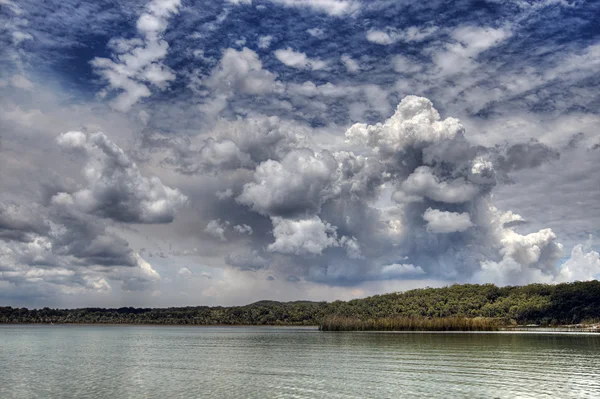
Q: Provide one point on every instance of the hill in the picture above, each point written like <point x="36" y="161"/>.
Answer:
<point x="543" y="304"/>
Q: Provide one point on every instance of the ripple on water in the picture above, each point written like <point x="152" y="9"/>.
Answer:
<point x="184" y="362"/>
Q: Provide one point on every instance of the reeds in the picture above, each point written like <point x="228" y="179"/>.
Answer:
<point x="344" y="323"/>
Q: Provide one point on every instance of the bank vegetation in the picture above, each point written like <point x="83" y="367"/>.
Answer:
<point x="460" y="306"/>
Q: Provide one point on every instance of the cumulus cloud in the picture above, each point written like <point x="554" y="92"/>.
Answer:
<point x="235" y="144"/>
<point x="415" y="197"/>
<point x="584" y="264"/>
<point x="115" y="187"/>
<point x="302" y="236"/>
<point x="216" y="229"/>
<point x="442" y="185"/>
<point x="241" y="72"/>
<point x="299" y="60"/>
<point x="523" y="258"/>
<point x="531" y="248"/>
<point x="21" y="223"/>
<point x="86" y="241"/>
<point x="446" y="222"/>
<point x="424" y="183"/>
<point x="410" y="197"/>
<point x="525" y="156"/>
<point x="138" y="62"/>
<point x="352" y="246"/>
<point x="414" y="124"/>
<point x="74" y="253"/>
<point x="300" y="183"/>
<point x="243" y="229"/>
<point x="221" y="155"/>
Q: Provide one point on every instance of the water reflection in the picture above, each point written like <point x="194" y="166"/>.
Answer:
<point x="184" y="362"/>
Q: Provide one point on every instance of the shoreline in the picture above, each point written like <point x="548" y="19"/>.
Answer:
<point x="594" y="329"/>
<point x="591" y="329"/>
<point x="163" y="325"/>
<point x="459" y="307"/>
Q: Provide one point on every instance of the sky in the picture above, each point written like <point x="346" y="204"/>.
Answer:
<point x="177" y="152"/>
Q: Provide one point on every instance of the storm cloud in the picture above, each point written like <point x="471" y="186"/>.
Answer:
<point x="114" y="186"/>
<point x="439" y="217"/>
<point x="335" y="149"/>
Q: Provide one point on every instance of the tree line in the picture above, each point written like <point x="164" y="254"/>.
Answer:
<point x="560" y="304"/>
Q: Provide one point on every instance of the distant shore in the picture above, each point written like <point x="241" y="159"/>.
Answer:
<point x="461" y="307"/>
<point x="312" y="326"/>
<point x="595" y="328"/>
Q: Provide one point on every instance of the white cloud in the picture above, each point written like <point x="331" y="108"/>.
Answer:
<point x="221" y="155"/>
<point x="241" y="72"/>
<point x="24" y="117"/>
<point x="147" y="268"/>
<point x="391" y="35"/>
<point x="222" y="195"/>
<point x="21" y="82"/>
<point x="265" y="41"/>
<point x="583" y="265"/>
<point x="580" y="64"/>
<point x="504" y="93"/>
<point x="302" y="236"/>
<point x="527" y="249"/>
<point x="140" y="62"/>
<point x="243" y="229"/>
<point x="446" y="222"/>
<point x="238" y="73"/>
<point x="299" y="183"/>
<point x="415" y="123"/>
<point x="316" y="32"/>
<point x="400" y="270"/>
<point x="299" y="60"/>
<point x="19" y="37"/>
<point x="216" y="229"/>
<point x="459" y="56"/>
<point x="406" y="65"/>
<point x="379" y="37"/>
<point x="351" y="65"/>
<point x="331" y="7"/>
<point x="352" y="247"/>
<point x="423" y="183"/>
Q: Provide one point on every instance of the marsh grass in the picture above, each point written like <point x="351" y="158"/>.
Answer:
<point x="344" y="323"/>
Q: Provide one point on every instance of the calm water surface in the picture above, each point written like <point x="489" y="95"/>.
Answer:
<point x="264" y="362"/>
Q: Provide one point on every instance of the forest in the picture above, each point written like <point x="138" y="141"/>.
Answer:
<point x="542" y="304"/>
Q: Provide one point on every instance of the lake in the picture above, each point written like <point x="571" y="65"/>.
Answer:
<point x="91" y="361"/>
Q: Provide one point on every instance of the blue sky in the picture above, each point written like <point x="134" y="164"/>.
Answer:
<point x="171" y="152"/>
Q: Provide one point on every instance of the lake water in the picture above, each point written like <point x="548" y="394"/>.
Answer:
<point x="271" y="362"/>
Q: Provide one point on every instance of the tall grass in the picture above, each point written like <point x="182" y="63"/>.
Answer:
<point x="344" y="323"/>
